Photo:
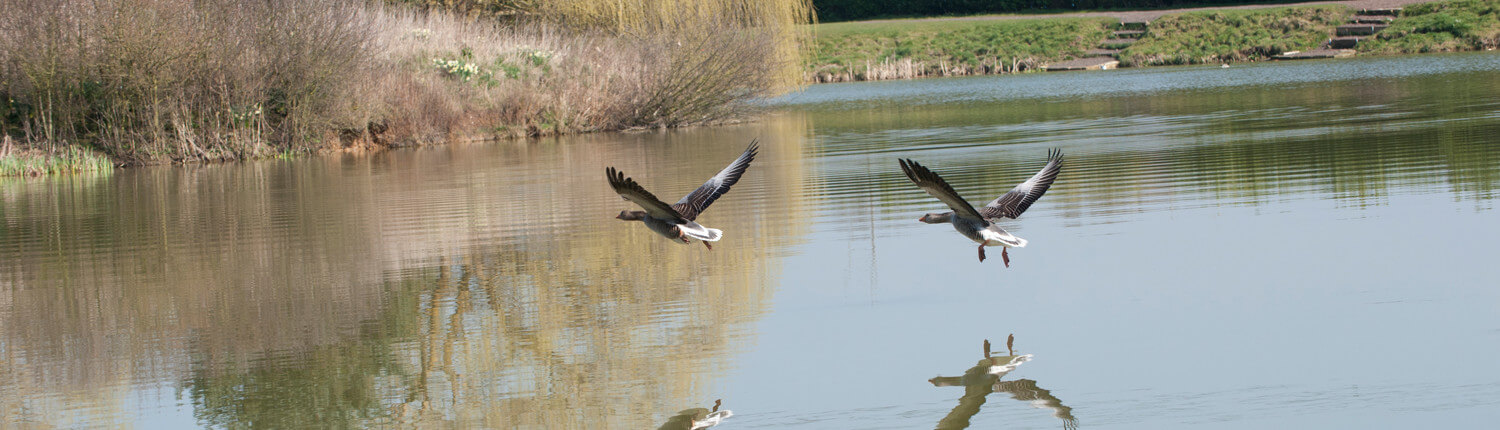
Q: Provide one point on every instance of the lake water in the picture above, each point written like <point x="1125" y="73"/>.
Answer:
<point x="1294" y="244"/>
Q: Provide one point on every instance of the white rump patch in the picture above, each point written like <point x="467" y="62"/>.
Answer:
<point x="1007" y="367"/>
<point x="996" y="236"/>
<point x="712" y="419"/>
<point x="697" y="231"/>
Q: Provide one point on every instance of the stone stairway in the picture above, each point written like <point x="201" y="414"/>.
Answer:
<point x="1363" y="24"/>
<point x="1105" y="55"/>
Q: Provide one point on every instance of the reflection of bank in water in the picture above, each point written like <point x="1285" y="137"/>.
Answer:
<point x="984" y="378"/>
<point x="697" y="418"/>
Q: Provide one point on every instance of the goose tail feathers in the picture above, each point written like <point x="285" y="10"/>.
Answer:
<point x="696" y="231"/>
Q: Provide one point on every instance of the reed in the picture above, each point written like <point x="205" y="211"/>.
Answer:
<point x="15" y="161"/>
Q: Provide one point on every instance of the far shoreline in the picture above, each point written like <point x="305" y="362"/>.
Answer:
<point x="891" y="49"/>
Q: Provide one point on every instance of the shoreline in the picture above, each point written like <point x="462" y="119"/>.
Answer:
<point x="967" y="46"/>
<point x="1150" y="14"/>
<point x="457" y="101"/>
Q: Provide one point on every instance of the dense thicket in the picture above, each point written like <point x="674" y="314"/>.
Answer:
<point x="849" y="10"/>
<point x="155" y="80"/>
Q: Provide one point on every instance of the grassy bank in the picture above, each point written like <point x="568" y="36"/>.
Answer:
<point x="860" y="51"/>
<point x="145" y="81"/>
<point x="1227" y="36"/>
<point x="1461" y="25"/>
<point x="851" y="10"/>
<point x="18" y="161"/>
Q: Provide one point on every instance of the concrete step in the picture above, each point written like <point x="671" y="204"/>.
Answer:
<point x="1372" y="19"/>
<point x="1129" y="34"/>
<point x="1345" y="42"/>
<point x="1316" y="53"/>
<point x="1115" y="43"/>
<point x="1387" y="12"/>
<point x="1133" y="25"/>
<point x="1359" y="29"/>
<point x="1091" y="63"/>
<point x="1102" y="52"/>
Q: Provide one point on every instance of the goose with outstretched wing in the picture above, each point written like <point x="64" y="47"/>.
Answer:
<point x="979" y="224"/>
<point x="677" y="221"/>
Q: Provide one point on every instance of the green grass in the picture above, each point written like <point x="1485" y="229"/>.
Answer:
<point x="69" y="160"/>
<point x="1233" y="35"/>
<point x="1459" y="25"/>
<point x="972" y="47"/>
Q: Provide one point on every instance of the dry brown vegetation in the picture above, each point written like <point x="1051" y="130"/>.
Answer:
<point x="155" y="80"/>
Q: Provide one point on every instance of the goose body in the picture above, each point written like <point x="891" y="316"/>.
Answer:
<point x="673" y="229"/>
<point x="980" y="225"/>
<point x="678" y="222"/>
<point x="987" y="235"/>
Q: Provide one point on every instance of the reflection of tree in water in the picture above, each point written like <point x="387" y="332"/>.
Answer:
<point x="391" y="289"/>
<point x="984" y="378"/>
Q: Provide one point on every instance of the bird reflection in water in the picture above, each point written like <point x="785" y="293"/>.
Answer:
<point x="984" y="378"/>
<point x="697" y="418"/>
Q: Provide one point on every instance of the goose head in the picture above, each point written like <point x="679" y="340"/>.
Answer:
<point x="936" y="218"/>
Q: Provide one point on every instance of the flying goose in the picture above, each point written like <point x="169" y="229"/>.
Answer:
<point x="979" y="225"/>
<point x="676" y="221"/>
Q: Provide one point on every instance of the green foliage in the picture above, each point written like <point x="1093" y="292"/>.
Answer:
<point x="850" y="47"/>
<point x="68" y="160"/>
<point x="1462" y="25"/>
<point x="1459" y="25"/>
<point x="1233" y="35"/>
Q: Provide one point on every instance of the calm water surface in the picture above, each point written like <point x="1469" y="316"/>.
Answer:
<point x="1306" y="245"/>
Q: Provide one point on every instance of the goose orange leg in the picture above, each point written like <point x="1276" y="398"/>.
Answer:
<point x="981" y="253"/>
<point x="1005" y="257"/>
<point x="710" y="247"/>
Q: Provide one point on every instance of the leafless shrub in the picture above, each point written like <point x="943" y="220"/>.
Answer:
<point x="705" y="79"/>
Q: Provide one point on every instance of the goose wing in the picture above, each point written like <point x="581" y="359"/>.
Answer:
<point x="630" y="190"/>
<point x="1013" y="203"/>
<point x="697" y="201"/>
<point x="937" y="187"/>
